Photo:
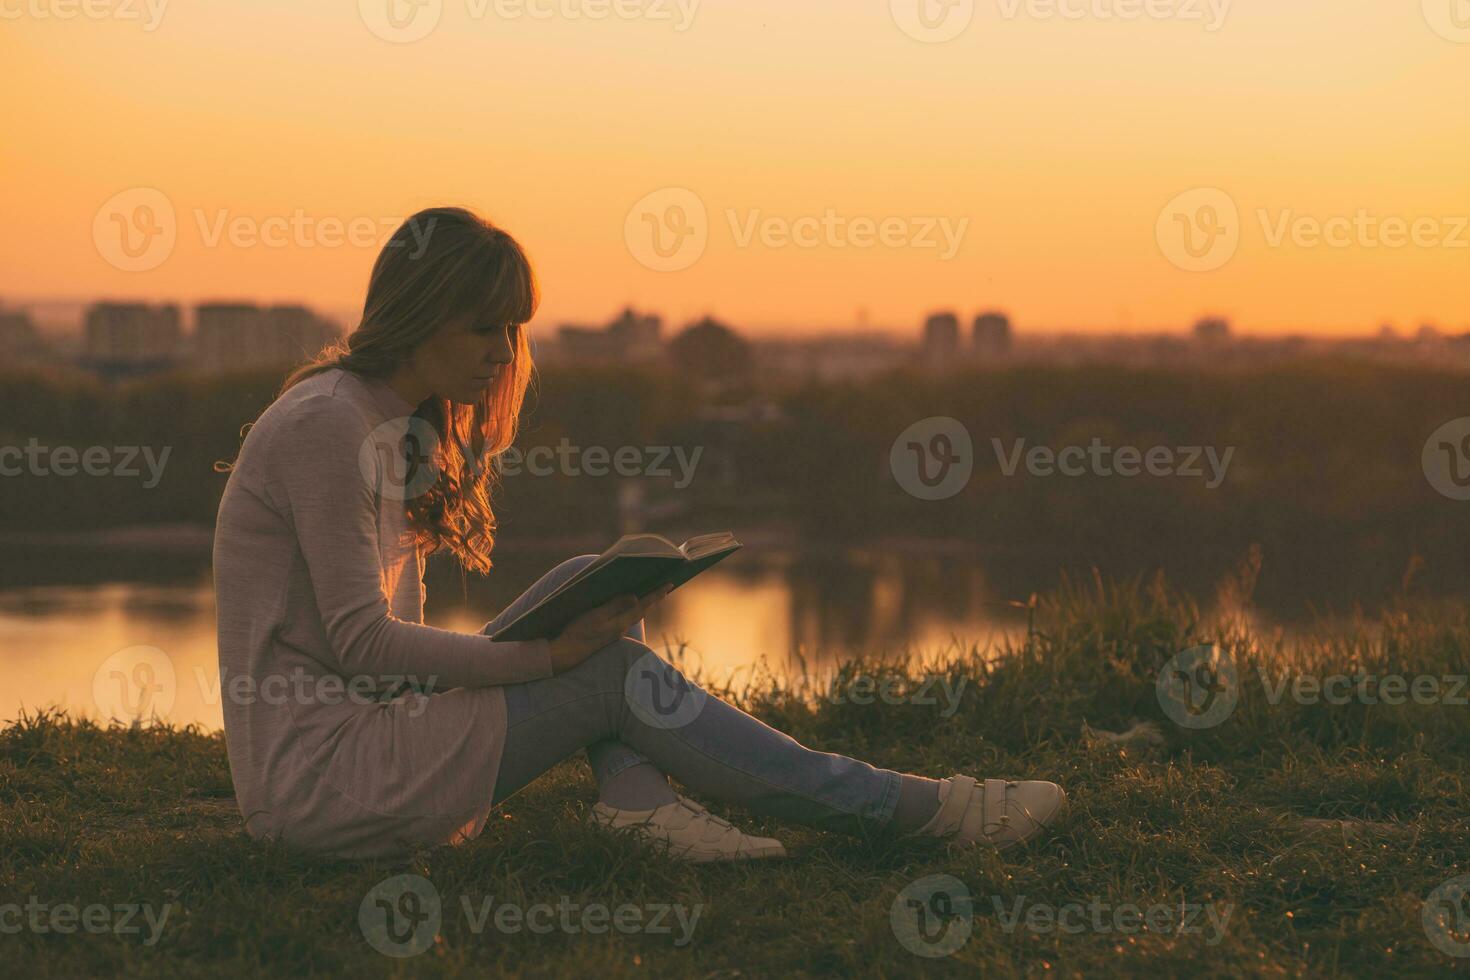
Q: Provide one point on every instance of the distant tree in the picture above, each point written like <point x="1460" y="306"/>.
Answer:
<point x="709" y="349"/>
<point x="1212" y="330"/>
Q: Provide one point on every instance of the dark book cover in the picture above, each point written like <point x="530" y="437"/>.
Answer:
<point x="613" y="574"/>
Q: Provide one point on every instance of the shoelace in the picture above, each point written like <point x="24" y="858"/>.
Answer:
<point x="700" y="811"/>
<point x="1005" y="817"/>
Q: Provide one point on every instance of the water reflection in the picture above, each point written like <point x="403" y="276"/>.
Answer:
<point x="780" y="609"/>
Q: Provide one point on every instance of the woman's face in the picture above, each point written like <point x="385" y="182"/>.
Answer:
<point x="463" y="358"/>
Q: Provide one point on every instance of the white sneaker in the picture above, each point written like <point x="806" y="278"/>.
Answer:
<point x="998" y="812"/>
<point x="691" y="832"/>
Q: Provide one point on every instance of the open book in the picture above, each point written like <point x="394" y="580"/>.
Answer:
<point x="636" y="564"/>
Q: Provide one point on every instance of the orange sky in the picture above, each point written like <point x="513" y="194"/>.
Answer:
<point x="1048" y="145"/>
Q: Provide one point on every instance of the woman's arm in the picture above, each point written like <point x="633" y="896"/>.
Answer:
<point x="314" y="479"/>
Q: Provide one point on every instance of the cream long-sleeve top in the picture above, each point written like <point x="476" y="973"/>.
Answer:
<point x="323" y="652"/>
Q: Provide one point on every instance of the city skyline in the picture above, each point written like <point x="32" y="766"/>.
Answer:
<point x="58" y="316"/>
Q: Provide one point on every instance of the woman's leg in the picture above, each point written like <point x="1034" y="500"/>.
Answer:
<point x="625" y="779"/>
<point x="626" y="692"/>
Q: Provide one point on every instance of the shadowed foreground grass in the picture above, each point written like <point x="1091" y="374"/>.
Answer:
<point x="1291" y="838"/>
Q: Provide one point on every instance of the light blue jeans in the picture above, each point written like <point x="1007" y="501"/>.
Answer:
<point x="626" y="706"/>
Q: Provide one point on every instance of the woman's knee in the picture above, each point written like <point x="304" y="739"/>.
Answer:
<point x="617" y="658"/>
<point x="606" y="670"/>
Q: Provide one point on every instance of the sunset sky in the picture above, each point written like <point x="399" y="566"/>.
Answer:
<point x="1049" y="145"/>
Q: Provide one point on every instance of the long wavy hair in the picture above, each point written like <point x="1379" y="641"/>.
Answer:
<point x="441" y="264"/>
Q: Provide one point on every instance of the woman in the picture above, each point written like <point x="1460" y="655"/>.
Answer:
<point x="355" y="730"/>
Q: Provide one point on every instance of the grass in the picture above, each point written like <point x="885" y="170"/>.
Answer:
<point x="1320" y="829"/>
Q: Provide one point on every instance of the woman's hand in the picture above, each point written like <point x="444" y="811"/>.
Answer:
<point x="597" y="628"/>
